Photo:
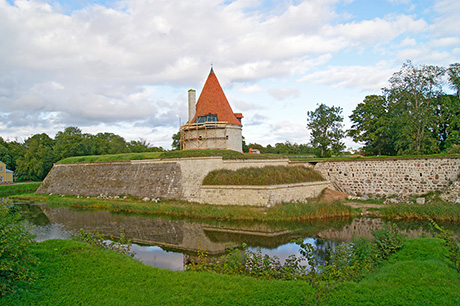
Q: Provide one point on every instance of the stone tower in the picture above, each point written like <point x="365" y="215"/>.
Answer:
<point x="212" y="124"/>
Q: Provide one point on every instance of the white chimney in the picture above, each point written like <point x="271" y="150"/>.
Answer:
<point x="191" y="104"/>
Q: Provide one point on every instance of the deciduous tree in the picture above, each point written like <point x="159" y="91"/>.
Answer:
<point x="326" y="128"/>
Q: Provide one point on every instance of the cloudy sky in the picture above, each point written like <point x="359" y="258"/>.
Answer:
<point x="125" y="66"/>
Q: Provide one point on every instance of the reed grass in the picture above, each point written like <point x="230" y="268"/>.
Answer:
<point x="268" y="175"/>
<point x="439" y="211"/>
<point x="282" y="212"/>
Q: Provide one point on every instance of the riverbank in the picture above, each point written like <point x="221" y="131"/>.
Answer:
<point x="283" y="212"/>
<point x="72" y="273"/>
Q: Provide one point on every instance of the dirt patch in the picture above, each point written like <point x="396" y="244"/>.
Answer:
<point x="330" y="195"/>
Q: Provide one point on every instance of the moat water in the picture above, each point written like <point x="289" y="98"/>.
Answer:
<point x="171" y="242"/>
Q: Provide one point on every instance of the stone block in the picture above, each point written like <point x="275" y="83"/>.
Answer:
<point x="420" y="201"/>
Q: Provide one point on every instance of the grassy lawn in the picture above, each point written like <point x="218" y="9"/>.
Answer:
<point x="74" y="273"/>
<point x="225" y="154"/>
<point x="18" y="188"/>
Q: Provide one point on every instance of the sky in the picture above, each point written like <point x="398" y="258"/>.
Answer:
<point x="125" y="67"/>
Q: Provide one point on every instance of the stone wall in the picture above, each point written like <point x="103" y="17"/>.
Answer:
<point x="261" y="195"/>
<point x="382" y="177"/>
<point x="136" y="178"/>
<point x="166" y="179"/>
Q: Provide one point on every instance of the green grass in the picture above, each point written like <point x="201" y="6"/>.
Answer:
<point x="225" y="154"/>
<point x="283" y="212"/>
<point x="268" y="175"/>
<point x="13" y="189"/>
<point x="110" y="157"/>
<point x="438" y="211"/>
<point x="74" y="273"/>
<point x="419" y="274"/>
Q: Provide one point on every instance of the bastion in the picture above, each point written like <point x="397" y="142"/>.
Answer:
<point x="182" y="178"/>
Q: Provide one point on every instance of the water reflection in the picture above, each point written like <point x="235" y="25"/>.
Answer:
<point x="169" y="243"/>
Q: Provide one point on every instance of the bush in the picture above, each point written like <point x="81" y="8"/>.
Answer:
<point x="97" y="239"/>
<point x="15" y="260"/>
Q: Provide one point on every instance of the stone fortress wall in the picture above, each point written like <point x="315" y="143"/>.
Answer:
<point x="389" y="176"/>
<point x="182" y="179"/>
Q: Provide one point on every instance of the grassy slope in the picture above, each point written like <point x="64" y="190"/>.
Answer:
<point x="419" y="274"/>
<point x="268" y="175"/>
<point x="226" y="154"/>
<point x="73" y="273"/>
<point x="12" y="189"/>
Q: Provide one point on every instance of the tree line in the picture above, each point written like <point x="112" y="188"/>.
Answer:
<point x="412" y="116"/>
<point x="32" y="159"/>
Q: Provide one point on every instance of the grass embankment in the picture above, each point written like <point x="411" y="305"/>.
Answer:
<point x="284" y="212"/>
<point x="225" y="154"/>
<point x="74" y="273"/>
<point x="18" y="188"/>
<point x="268" y="175"/>
<point x="438" y="211"/>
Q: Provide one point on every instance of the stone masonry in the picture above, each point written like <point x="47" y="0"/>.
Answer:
<point x="384" y="177"/>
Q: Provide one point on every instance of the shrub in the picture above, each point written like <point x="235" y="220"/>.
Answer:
<point x="15" y="260"/>
<point x="452" y="243"/>
<point x="387" y="240"/>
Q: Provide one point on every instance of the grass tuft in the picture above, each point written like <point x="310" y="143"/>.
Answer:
<point x="268" y="175"/>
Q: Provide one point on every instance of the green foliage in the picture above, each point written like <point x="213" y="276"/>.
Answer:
<point x="268" y="175"/>
<point x="283" y="212"/>
<point x="387" y="241"/>
<point x="75" y="273"/>
<point x="121" y="245"/>
<point x="455" y="149"/>
<point x="8" y="190"/>
<point x="454" y="77"/>
<point x="176" y="141"/>
<point x="413" y="117"/>
<point x="16" y="261"/>
<point x="435" y="209"/>
<point x="326" y="126"/>
<point x="372" y="125"/>
<point x="451" y="242"/>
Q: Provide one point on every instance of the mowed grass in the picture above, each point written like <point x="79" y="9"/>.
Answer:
<point x="74" y="273"/>
<point x="268" y="175"/>
<point x="225" y="154"/>
<point x="18" y="188"/>
<point x="282" y="212"/>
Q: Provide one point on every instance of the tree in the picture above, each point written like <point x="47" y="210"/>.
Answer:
<point x="371" y="124"/>
<point x="70" y="143"/>
<point x="176" y="141"/>
<point x="38" y="159"/>
<point x="414" y="91"/>
<point x="326" y="126"/>
<point x="454" y="77"/>
<point x="448" y="112"/>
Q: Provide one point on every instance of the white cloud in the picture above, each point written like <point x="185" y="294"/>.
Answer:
<point x="371" y="78"/>
<point x="127" y="65"/>
<point x="284" y="93"/>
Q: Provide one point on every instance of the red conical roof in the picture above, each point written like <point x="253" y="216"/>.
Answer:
<point x="212" y="100"/>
